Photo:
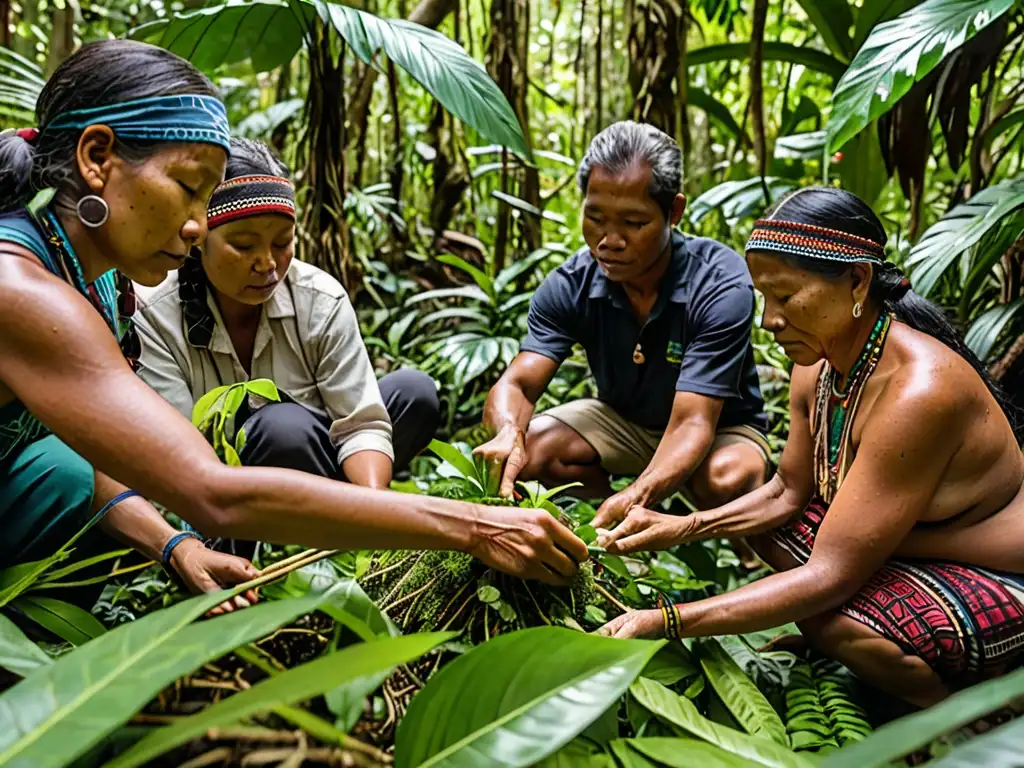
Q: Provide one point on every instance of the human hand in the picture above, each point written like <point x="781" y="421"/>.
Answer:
<point x="644" y="530"/>
<point x="204" y="570"/>
<point x="615" y="507"/>
<point x="528" y="543"/>
<point x="648" y="625"/>
<point x="505" y="455"/>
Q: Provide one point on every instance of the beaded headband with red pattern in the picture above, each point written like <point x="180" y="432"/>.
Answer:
<point x="795" y="239"/>
<point x="246" y="196"/>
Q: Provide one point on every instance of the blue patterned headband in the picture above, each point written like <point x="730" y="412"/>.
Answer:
<point x="183" y="118"/>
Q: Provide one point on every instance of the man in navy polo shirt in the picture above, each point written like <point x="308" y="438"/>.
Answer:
<point x="665" y="322"/>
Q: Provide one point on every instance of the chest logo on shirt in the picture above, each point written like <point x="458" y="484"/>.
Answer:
<point x="674" y="352"/>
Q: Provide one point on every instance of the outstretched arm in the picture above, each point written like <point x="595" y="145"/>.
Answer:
<point x="62" y="362"/>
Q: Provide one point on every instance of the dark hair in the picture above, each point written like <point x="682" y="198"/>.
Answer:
<point x="247" y="158"/>
<point x="98" y="74"/>
<point x="253" y="158"/>
<point x="626" y="143"/>
<point x="838" y="209"/>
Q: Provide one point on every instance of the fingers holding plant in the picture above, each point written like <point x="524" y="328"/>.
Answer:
<point x="644" y="530"/>
<point x="505" y="456"/>
<point x="204" y="570"/>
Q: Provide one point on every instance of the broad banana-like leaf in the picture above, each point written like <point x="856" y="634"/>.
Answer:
<point x="680" y="712"/>
<point x="18" y="654"/>
<point x="716" y="110"/>
<point x="899" y="53"/>
<point x="63" y="709"/>
<point x="270" y="33"/>
<point x="985" y="330"/>
<point x="746" y="703"/>
<point x="738" y="199"/>
<point x="579" y="753"/>
<point x="1000" y="748"/>
<point x="819" y="61"/>
<point x="801" y="146"/>
<point x="960" y="229"/>
<point x="481" y="278"/>
<point x="678" y="753"/>
<point x="517" y="699"/>
<point x="833" y="19"/>
<point x="295" y="685"/>
<point x="68" y="622"/>
<point x="901" y="737"/>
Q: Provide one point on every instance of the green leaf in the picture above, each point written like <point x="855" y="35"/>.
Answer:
<point x="578" y="753"/>
<point x="874" y="12"/>
<point x="439" y="64"/>
<point x="517" y="698"/>
<point x="985" y="330"/>
<point x="862" y="170"/>
<point x="716" y="110"/>
<point x="999" y="748"/>
<point x="63" y="709"/>
<point x="681" y="713"/>
<point x="801" y="146"/>
<point x="67" y="621"/>
<point x="270" y="33"/>
<point x="513" y="271"/>
<point x="670" y="665"/>
<point x="819" y="61"/>
<point x="471" y="292"/>
<point x="960" y="229"/>
<point x="488" y="594"/>
<point x="739" y="199"/>
<point x="899" y="53"/>
<point x="455" y="457"/>
<point x="18" y="654"/>
<point x="901" y="737"/>
<point x="685" y="753"/>
<point x="295" y="685"/>
<point x="833" y="19"/>
<point x="18" y="578"/>
<point x="482" y="278"/>
<point x="746" y="703"/>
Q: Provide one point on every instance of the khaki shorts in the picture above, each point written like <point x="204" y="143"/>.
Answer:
<point x="626" y="448"/>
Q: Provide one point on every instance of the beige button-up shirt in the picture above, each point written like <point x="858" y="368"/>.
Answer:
<point x="308" y="342"/>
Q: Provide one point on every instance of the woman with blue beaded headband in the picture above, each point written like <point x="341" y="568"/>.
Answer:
<point x="131" y="144"/>
<point x="895" y="519"/>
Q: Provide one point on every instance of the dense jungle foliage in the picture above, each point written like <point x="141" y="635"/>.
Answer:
<point x="434" y="148"/>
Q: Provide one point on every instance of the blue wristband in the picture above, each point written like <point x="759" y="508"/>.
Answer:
<point x="174" y="541"/>
<point x="114" y="502"/>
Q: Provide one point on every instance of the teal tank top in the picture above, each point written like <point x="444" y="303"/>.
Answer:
<point x="18" y="427"/>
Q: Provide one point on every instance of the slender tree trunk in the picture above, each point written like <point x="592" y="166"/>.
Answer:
<point x="5" y="23"/>
<point x="757" y="90"/>
<point x="62" y="34"/>
<point x="655" y="37"/>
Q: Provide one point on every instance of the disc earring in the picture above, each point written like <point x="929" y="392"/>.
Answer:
<point x="93" y="211"/>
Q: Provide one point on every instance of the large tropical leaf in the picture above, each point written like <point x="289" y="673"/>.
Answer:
<point x="63" y="709"/>
<point x="833" y="19"/>
<point x="874" y="12"/>
<point x="1000" y="748"/>
<point x="677" y="753"/>
<point x="899" y="738"/>
<point x="69" y="622"/>
<point x="899" y="53"/>
<point x="739" y="199"/>
<point x="18" y="654"/>
<point x="295" y="685"/>
<point x="801" y="146"/>
<point x="472" y="354"/>
<point x="716" y="110"/>
<point x="985" y="331"/>
<point x="960" y="229"/>
<point x="819" y="61"/>
<point x="680" y="712"/>
<point x="21" y="81"/>
<point x="517" y="699"/>
<point x="739" y="694"/>
<point x="270" y="33"/>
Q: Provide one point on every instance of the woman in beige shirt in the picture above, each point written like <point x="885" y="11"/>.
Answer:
<point x="244" y="309"/>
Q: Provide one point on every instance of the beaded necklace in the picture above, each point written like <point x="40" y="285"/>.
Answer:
<point x="836" y="409"/>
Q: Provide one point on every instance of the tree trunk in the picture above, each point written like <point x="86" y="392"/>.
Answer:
<point x="321" y="152"/>
<point x="655" y="33"/>
<point x="62" y="35"/>
<point x="5" y="23"/>
<point x="757" y="90"/>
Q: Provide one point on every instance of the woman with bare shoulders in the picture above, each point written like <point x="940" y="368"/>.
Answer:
<point x="131" y="143"/>
<point x="900" y="443"/>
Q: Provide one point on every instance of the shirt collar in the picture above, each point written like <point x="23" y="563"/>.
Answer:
<point x="601" y="287"/>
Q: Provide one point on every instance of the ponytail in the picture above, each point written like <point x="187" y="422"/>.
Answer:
<point x="17" y="157"/>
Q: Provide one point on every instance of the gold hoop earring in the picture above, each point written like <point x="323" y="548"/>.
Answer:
<point x="858" y="309"/>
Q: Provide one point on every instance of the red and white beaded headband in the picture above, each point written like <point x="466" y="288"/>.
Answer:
<point x="247" y="196"/>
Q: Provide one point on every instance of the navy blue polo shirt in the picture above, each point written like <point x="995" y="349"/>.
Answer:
<point x="697" y="338"/>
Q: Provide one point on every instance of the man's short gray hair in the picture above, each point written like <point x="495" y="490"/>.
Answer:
<point x="626" y="143"/>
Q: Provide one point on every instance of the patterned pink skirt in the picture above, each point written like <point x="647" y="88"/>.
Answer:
<point x="965" y="622"/>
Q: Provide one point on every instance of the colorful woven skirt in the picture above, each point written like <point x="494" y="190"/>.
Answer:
<point x="965" y="622"/>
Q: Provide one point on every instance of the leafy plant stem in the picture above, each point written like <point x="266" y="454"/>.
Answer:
<point x="611" y="598"/>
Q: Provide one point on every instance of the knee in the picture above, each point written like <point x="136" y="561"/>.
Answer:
<point x="727" y="475"/>
<point x="281" y="432"/>
<point x="73" y="482"/>
<point x="550" y="445"/>
<point x="419" y="392"/>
